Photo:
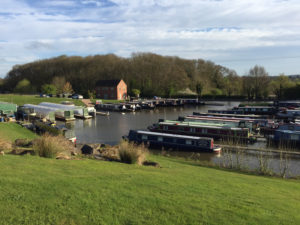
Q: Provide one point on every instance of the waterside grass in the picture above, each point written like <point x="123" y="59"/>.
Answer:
<point x="11" y="131"/>
<point x="34" y="99"/>
<point x="38" y="190"/>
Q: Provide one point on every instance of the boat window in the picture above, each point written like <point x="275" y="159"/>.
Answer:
<point x="159" y="139"/>
<point x="188" y="142"/>
<point x="291" y="127"/>
<point x="192" y="129"/>
<point x="180" y="141"/>
<point x="167" y="139"/>
<point x="144" y="137"/>
<point x="202" y="143"/>
<point x="152" y="138"/>
<point x="165" y="127"/>
<point x="204" y="131"/>
<point x="294" y="137"/>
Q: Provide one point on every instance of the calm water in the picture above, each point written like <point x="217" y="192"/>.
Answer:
<point x="110" y="129"/>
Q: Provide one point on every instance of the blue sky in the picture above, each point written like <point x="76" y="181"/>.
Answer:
<point x="237" y="34"/>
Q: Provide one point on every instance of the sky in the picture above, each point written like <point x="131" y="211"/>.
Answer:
<point x="237" y="34"/>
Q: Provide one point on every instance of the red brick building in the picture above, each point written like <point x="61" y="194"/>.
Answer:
<point x="111" y="89"/>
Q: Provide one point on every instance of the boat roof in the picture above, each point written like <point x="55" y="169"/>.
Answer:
<point x="254" y="107"/>
<point x="289" y="131"/>
<point x="193" y="124"/>
<point x="171" y="135"/>
<point x="230" y="115"/>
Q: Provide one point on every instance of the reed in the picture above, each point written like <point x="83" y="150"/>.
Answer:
<point x="131" y="153"/>
<point x="50" y="147"/>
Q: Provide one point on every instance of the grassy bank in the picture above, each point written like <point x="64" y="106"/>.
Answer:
<point x="47" y="191"/>
<point x="13" y="131"/>
<point x="34" y="99"/>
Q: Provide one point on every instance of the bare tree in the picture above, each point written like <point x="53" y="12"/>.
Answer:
<point x="260" y="81"/>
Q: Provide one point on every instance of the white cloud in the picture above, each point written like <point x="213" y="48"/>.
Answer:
<point x="215" y="30"/>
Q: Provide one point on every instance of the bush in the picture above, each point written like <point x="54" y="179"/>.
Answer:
<point x="131" y="153"/>
<point x="51" y="146"/>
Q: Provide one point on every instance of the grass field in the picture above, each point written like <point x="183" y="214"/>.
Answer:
<point x="47" y="191"/>
<point x="13" y="131"/>
<point x="34" y="99"/>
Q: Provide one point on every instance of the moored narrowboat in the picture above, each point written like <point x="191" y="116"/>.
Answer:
<point x="180" y="142"/>
<point x="203" y="130"/>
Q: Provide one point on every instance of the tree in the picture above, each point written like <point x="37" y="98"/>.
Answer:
<point x="232" y="84"/>
<point x="67" y="88"/>
<point x="279" y="85"/>
<point x="215" y="92"/>
<point x="59" y="83"/>
<point x="92" y="94"/>
<point x="259" y="78"/>
<point x="23" y="87"/>
<point x="49" y="89"/>
<point x="136" y="92"/>
<point x="199" y="88"/>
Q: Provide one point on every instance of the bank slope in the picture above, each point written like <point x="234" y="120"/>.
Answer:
<point x="13" y="131"/>
<point x="46" y="191"/>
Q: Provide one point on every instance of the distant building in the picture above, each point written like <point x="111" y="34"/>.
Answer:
<point x="111" y="89"/>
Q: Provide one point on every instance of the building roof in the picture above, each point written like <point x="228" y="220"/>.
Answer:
<point x="108" y="83"/>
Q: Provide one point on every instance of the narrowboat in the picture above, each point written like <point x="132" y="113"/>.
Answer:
<point x="79" y="112"/>
<point x="222" y="121"/>
<point x="288" y="114"/>
<point x="228" y="111"/>
<point x="288" y="138"/>
<point x="7" y="109"/>
<point x="247" y="116"/>
<point x="46" y="112"/>
<point x="203" y="130"/>
<point x="287" y="104"/>
<point x="24" y="113"/>
<point x="257" y="110"/>
<point x="147" y="105"/>
<point x="49" y="127"/>
<point x="41" y="112"/>
<point x="180" y="142"/>
<point x="112" y="107"/>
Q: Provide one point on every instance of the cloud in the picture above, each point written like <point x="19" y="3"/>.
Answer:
<point x="215" y="30"/>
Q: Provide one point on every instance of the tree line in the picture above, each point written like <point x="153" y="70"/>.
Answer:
<point x="148" y="75"/>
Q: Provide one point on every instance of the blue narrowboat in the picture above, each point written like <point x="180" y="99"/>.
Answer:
<point x="180" y="142"/>
<point x="289" y="137"/>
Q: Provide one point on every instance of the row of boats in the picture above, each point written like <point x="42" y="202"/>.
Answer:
<point x="218" y="126"/>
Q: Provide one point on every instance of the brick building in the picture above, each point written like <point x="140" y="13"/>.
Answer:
<point x="111" y="89"/>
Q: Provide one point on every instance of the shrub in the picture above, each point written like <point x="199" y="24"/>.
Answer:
<point x="131" y="153"/>
<point x="51" y="146"/>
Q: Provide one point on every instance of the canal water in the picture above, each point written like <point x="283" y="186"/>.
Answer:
<point x="110" y="129"/>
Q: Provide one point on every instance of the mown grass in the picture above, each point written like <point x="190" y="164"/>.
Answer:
<point x="11" y="131"/>
<point x="34" y="99"/>
<point x="47" y="191"/>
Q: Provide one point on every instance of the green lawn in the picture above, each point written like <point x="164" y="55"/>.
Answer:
<point x="13" y="131"/>
<point x="34" y="99"/>
<point x="47" y="191"/>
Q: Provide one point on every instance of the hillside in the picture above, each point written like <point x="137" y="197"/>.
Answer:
<point x="47" y="191"/>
